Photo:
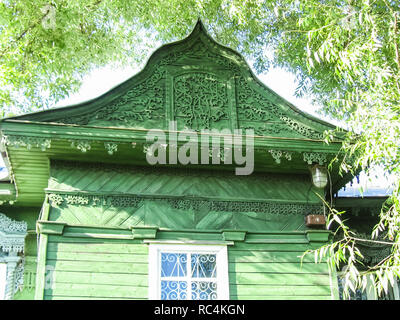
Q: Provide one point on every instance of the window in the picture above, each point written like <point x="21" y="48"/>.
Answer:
<point x="369" y="293"/>
<point x="188" y="272"/>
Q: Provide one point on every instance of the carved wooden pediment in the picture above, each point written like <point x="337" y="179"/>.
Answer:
<point x="12" y="234"/>
<point x="199" y="84"/>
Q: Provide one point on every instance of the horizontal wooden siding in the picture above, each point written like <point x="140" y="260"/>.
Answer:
<point x="274" y="271"/>
<point x="96" y="269"/>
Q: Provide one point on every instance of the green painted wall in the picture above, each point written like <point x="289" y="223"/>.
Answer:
<point x="125" y="196"/>
<point x="95" y="269"/>
<point x="87" y="268"/>
<point x="274" y="271"/>
<point x="91" y="252"/>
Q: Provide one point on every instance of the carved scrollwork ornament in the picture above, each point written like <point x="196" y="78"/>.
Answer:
<point x="8" y="225"/>
<point x="315" y="157"/>
<point x="82" y="145"/>
<point x="25" y="141"/>
<point x="12" y="241"/>
<point x="186" y="204"/>
<point x="111" y="147"/>
<point x="278" y="154"/>
<point x="200" y="99"/>
<point x="19" y="276"/>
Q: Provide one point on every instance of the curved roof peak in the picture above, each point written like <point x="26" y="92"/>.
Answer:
<point x="195" y="83"/>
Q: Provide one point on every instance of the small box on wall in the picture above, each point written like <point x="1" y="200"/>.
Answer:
<point x="315" y="220"/>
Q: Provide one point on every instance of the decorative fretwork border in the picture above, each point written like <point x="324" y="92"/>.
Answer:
<point x="26" y="141"/>
<point x="168" y="171"/>
<point x="64" y="199"/>
<point x="10" y="226"/>
<point x="373" y="250"/>
<point x="12" y="242"/>
<point x="111" y="147"/>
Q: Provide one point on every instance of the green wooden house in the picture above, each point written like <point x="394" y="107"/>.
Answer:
<point x="86" y="214"/>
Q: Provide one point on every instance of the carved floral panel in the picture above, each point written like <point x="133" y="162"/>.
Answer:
<point x="200" y="101"/>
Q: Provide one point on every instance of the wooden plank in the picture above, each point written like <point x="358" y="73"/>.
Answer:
<point x="100" y="278"/>
<point x="292" y="247"/>
<point x="171" y="235"/>
<point x="60" y="297"/>
<point x="63" y="239"/>
<point x="106" y="247"/>
<point x="279" y="267"/>
<point x="262" y="278"/>
<point x="267" y="256"/>
<point x="92" y="290"/>
<point x="99" y="256"/>
<point x="260" y="297"/>
<point x="95" y="266"/>
<point x="267" y="290"/>
<point x="41" y="268"/>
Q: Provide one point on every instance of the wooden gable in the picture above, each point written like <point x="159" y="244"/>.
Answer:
<point x="199" y="84"/>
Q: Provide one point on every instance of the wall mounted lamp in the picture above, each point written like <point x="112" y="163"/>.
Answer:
<point x="319" y="176"/>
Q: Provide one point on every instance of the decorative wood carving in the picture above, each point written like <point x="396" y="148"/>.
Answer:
<point x="199" y="83"/>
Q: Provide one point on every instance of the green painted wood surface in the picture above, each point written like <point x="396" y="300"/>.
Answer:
<point x="274" y="271"/>
<point x="283" y="297"/>
<point x="103" y="278"/>
<point x="113" y="180"/>
<point x="238" y="256"/>
<point x="97" y="290"/>
<point x="85" y="268"/>
<point x="283" y="268"/>
<point x="32" y="170"/>
<point x="276" y="279"/>
<point x="127" y="196"/>
<point x="41" y="267"/>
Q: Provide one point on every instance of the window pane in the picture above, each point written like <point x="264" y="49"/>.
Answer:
<point x="204" y="265"/>
<point x="173" y="290"/>
<point x="358" y="295"/>
<point x="173" y="264"/>
<point x="204" y="290"/>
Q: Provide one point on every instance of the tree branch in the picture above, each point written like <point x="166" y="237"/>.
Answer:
<point x="39" y="21"/>
<point x="396" y="47"/>
<point x="25" y="32"/>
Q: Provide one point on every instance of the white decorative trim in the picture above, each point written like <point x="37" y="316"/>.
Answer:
<point x="10" y="226"/>
<point x="19" y="276"/>
<point x="315" y="157"/>
<point x="3" y="279"/>
<point x="155" y="266"/>
<point x="12" y="234"/>
<point x="12" y="242"/>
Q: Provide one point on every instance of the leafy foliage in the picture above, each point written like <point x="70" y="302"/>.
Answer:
<point x="345" y="54"/>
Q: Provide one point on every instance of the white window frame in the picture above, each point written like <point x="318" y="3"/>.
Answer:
<point x="3" y="279"/>
<point x="220" y="251"/>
